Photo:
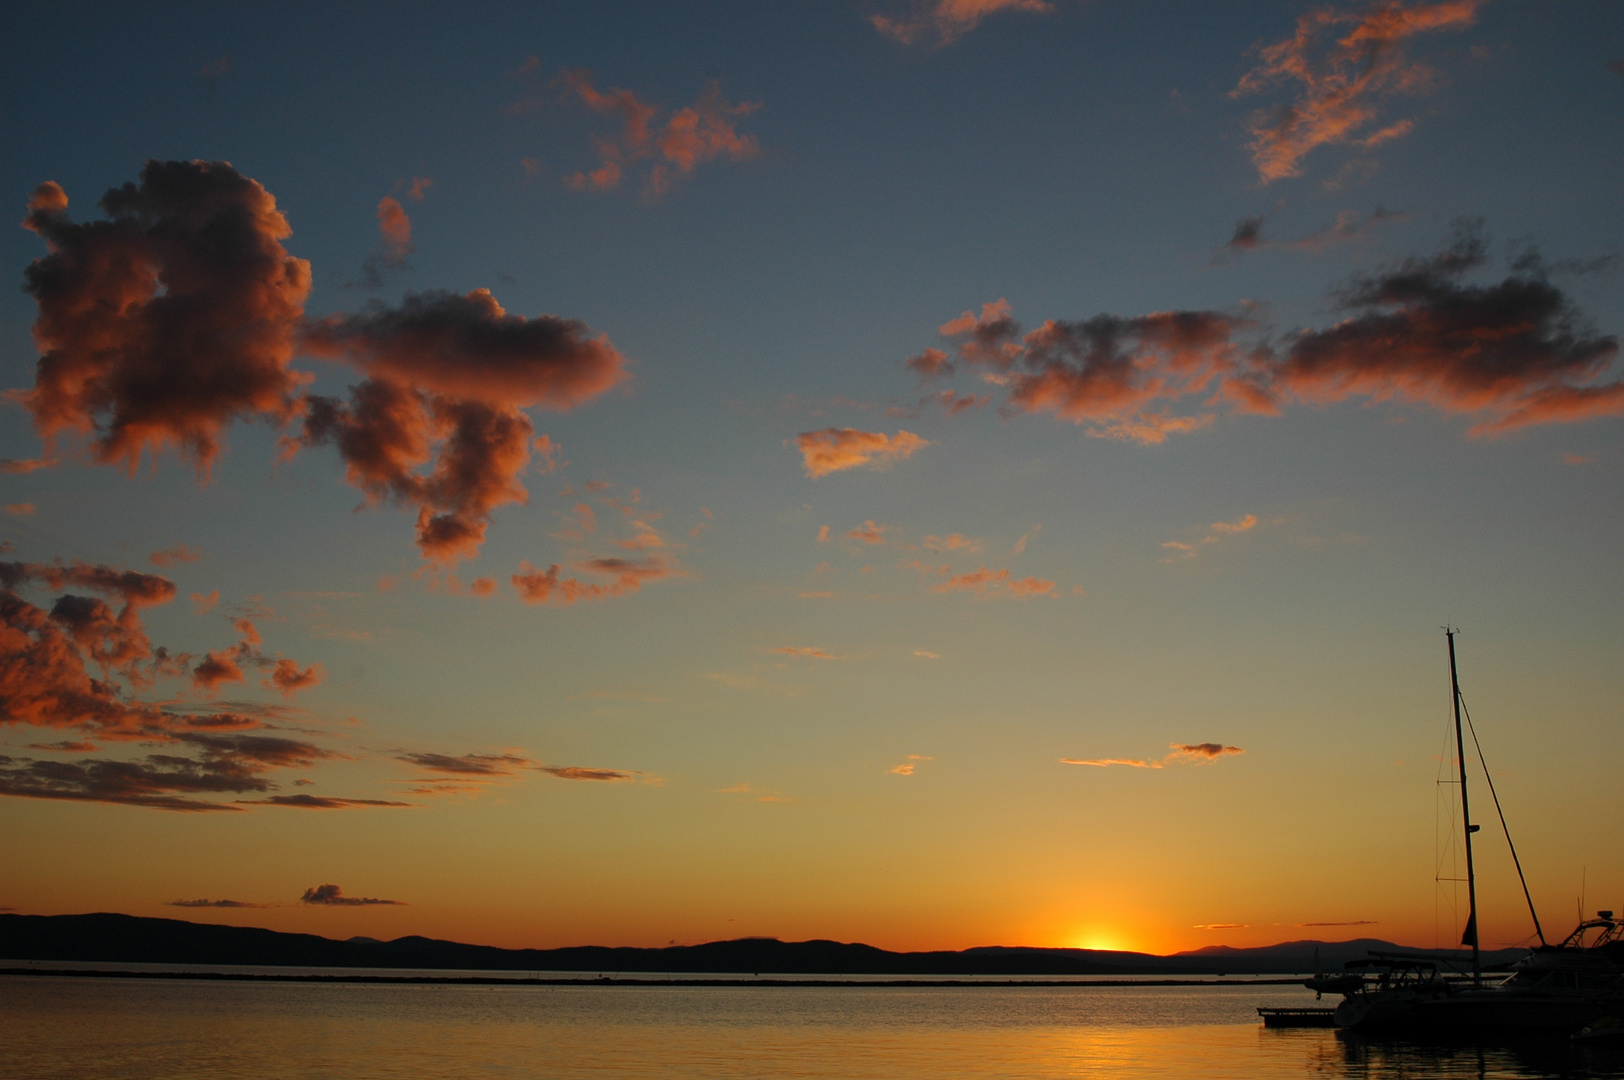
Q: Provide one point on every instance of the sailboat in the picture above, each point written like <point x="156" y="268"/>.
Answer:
<point x="1558" y="988"/>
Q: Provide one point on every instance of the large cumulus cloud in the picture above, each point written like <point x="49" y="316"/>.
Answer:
<point x="165" y="322"/>
<point x="178" y="314"/>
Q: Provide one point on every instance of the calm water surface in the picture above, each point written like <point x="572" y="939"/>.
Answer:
<point x="140" y="1028"/>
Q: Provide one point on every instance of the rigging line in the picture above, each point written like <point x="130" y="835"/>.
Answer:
<point x="1503" y="826"/>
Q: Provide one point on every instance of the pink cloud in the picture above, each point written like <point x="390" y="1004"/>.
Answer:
<point x="1340" y="79"/>
<point x="947" y="20"/>
<point x="806" y="652"/>
<point x="990" y="584"/>
<point x="449" y="377"/>
<point x="701" y="132"/>
<point x="868" y="533"/>
<point x="288" y="678"/>
<point x="537" y="587"/>
<point x="577" y="772"/>
<point x="1512" y="353"/>
<point x="180" y="553"/>
<point x="394" y="228"/>
<point x="834" y="450"/>
<point x="169" y="320"/>
<point x="953" y="542"/>
<point x="1240" y="525"/>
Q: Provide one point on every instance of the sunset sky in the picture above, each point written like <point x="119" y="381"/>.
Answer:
<point x="926" y="472"/>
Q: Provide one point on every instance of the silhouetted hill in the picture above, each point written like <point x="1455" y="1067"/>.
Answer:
<point x="128" y="939"/>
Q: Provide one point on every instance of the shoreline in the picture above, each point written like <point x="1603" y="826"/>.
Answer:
<point x="619" y="980"/>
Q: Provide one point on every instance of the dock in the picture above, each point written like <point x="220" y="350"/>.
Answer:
<point x="1302" y="1016"/>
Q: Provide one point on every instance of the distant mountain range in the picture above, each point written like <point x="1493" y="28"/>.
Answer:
<point x="128" y="939"/>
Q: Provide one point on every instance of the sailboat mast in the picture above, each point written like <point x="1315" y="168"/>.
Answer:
<point x="1470" y="937"/>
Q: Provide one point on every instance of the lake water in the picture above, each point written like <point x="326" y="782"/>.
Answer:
<point x="76" y="1028"/>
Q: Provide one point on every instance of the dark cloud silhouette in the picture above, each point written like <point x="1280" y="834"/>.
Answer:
<point x="215" y="904"/>
<point x="1513" y="353"/>
<point x="1108" y="371"/>
<point x="333" y="896"/>
<point x="168" y="320"/>
<point x="318" y="802"/>
<point x="1248" y="234"/>
<point x="1350" y="922"/>
<point x="469" y="764"/>
<point x="256" y="751"/>
<point x="159" y="781"/>
<point x="577" y="772"/>
<point x="226" y="763"/>
<point x="1207" y="750"/>
<point x="1180" y="753"/>
<point x="1516" y="352"/>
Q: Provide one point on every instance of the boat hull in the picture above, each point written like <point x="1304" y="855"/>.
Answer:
<point x="1477" y="1010"/>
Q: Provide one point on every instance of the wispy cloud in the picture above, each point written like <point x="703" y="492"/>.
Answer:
<point x="579" y="772"/>
<point x="319" y="802"/>
<point x="757" y="793"/>
<point x="215" y="904"/>
<point x="625" y="576"/>
<point x="672" y="145"/>
<point x="945" y="21"/>
<point x="953" y="542"/>
<point x="991" y="584"/>
<point x="806" y="652"/>
<point x="1342" y="63"/>
<point x="180" y="553"/>
<point x="1350" y="922"/>
<point x="907" y="767"/>
<point x="868" y="533"/>
<point x="1348" y="227"/>
<point x="1181" y="753"/>
<point x="1179" y="549"/>
<point x="491" y="765"/>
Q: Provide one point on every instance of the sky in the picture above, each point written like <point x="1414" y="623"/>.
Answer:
<point x="933" y="473"/>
